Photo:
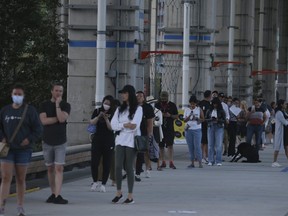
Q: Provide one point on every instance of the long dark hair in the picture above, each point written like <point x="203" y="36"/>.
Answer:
<point x="279" y="105"/>
<point x="217" y="101"/>
<point x="133" y="104"/>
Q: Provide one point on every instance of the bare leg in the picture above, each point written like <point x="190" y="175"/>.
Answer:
<point x="20" y="171"/>
<point x="6" y="175"/>
<point x="51" y="178"/>
<point x="58" y="179"/>
<point x="162" y="154"/>
<point x="170" y="153"/>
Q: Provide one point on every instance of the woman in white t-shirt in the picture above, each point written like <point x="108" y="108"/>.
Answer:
<point x="193" y="117"/>
<point x="126" y="123"/>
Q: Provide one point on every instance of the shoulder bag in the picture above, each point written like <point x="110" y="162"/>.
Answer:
<point x="4" y="146"/>
<point x="141" y="143"/>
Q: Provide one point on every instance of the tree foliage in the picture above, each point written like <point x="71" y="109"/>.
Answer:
<point x="32" y="48"/>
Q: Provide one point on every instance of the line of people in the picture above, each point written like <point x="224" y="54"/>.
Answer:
<point x="208" y="124"/>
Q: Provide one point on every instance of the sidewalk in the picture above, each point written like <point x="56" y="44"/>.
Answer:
<point x="236" y="189"/>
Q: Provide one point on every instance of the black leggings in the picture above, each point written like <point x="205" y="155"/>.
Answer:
<point x="97" y="151"/>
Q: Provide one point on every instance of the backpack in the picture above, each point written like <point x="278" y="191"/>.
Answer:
<point x="153" y="149"/>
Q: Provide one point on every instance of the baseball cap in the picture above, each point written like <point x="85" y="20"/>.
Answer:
<point x="127" y="88"/>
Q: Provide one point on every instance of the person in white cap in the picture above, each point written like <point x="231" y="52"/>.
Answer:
<point x="157" y="124"/>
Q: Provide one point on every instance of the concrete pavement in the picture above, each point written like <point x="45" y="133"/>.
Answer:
<point x="236" y="189"/>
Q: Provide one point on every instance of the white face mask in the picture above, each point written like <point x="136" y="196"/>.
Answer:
<point x="17" y="99"/>
<point x="153" y="105"/>
<point x="106" y="107"/>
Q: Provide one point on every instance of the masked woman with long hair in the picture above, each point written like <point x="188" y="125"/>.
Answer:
<point x="103" y="142"/>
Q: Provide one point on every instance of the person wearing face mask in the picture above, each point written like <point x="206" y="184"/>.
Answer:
<point x="170" y="113"/>
<point x="20" y="151"/>
<point x="157" y="125"/>
<point x="103" y="143"/>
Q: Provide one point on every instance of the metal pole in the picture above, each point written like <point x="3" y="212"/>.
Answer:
<point x="231" y="48"/>
<point x="260" y="38"/>
<point x="101" y="52"/>
<point x="153" y="34"/>
<point x="186" y="52"/>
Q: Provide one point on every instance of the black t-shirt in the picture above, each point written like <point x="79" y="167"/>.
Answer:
<point x="148" y="113"/>
<point x="54" y="134"/>
<point x="205" y="106"/>
<point x="170" y="107"/>
<point x="103" y="135"/>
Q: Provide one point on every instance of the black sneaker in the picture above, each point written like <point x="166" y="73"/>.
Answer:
<point x="137" y="178"/>
<point x="117" y="199"/>
<point x="128" y="201"/>
<point x="51" y="198"/>
<point x="59" y="200"/>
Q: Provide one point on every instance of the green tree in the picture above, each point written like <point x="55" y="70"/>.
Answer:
<point x="33" y="50"/>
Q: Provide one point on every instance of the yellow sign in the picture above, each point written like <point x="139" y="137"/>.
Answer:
<point x="179" y="129"/>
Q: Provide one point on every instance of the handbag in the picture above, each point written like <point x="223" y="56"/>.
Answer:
<point x="91" y="128"/>
<point x="4" y="146"/>
<point x="141" y="143"/>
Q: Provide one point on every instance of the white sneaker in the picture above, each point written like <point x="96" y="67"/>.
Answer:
<point x="276" y="164"/>
<point x="94" y="186"/>
<point x="209" y="164"/>
<point x="102" y="188"/>
<point x="147" y="174"/>
<point x="219" y="164"/>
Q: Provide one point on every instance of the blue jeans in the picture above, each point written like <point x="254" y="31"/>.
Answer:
<point x="215" y="142"/>
<point x="257" y="130"/>
<point x="193" y="139"/>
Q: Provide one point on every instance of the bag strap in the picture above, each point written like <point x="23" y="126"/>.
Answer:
<point x="19" y="124"/>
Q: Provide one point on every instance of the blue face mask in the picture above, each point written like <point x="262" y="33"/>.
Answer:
<point x="17" y="99"/>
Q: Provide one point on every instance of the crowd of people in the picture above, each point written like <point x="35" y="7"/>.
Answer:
<point x="214" y="127"/>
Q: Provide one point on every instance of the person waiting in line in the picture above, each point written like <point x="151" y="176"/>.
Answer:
<point x="126" y="123"/>
<point x="256" y="117"/>
<point x="20" y="152"/>
<point x="205" y="105"/>
<point x="146" y="130"/>
<point x="193" y="116"/>
<point x="216" y="118"/>
<point x="224" y="102"/>
<point x="170" y="113"/>
<point x="281" y="138"/>
<point x="53" y="115"/>
<point x="103" y="142"/>
<point x="234" y="112"/>
<point x="157" y="125"/>
<point x="242" y="122"/>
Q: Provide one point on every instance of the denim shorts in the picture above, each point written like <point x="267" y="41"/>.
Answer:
<point x="18" y="156"/>
<point x="54" y="154"/>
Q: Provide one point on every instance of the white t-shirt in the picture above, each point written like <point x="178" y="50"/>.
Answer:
<point x="193" y="124"/>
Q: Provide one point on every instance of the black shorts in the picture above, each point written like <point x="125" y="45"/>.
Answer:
<point x="168" y="139"/>
<point x="204" y="139"/>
